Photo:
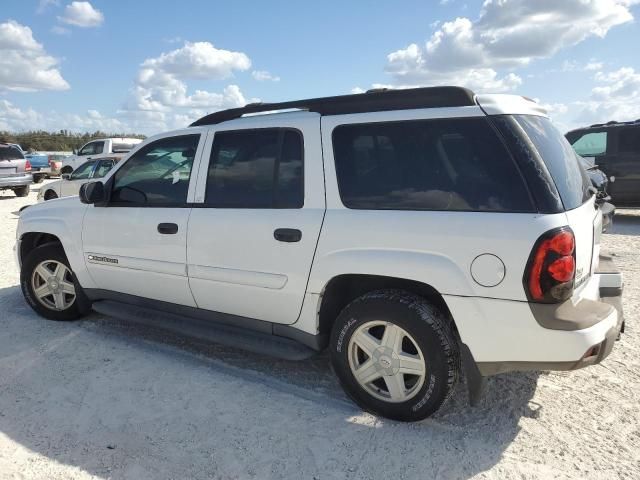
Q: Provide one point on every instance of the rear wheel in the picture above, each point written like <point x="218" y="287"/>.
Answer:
<point x="395" y="355"/>
<point x="38" y="178"/>
<point x="48" y="284"/>
<point x="50" y="195"/>
<point x="22" y="191"/>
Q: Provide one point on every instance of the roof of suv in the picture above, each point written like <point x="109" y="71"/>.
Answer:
<point x="611" y="124"/>
<point x="380" y="100"/>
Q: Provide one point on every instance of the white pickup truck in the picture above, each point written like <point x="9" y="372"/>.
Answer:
<point x="99" y="148"/>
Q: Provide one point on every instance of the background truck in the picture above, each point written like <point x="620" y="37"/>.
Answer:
<point x="99" y="148"/>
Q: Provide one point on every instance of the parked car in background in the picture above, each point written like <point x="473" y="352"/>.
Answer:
<point x="71" y="182"/>
<point x="15" y="170"/>
<point x="40" y="166"/>
<point x="613" y="147"/>
<point x="101" y="148"/>
<point x="55" y="161"/>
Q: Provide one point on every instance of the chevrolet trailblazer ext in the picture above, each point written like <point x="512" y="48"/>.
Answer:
<point x="417" y="234"/>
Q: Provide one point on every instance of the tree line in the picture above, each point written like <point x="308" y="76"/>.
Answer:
<point x="64" y="140"/>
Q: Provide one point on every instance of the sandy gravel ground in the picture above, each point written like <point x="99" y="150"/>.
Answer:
<point x="100" y="399"/>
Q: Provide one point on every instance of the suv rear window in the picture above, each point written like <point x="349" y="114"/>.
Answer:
<point x="445" y="164"/>
<point x="591" y="144"/>
<point x="10" y="153"/>
<point x="561" y="160"/>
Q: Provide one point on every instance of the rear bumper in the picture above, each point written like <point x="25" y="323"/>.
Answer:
<point x="16" y="181"/>
<point x="46" y="170"/>
<point x="505" y="336"/>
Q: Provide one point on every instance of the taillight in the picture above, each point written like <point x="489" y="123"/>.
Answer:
<point x="27" y="166"/>
<point x="551" y="270"/>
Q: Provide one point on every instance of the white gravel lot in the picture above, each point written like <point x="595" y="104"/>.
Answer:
<point x="101" y="399"/>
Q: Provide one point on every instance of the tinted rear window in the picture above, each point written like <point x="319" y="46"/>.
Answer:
<point x="444" y="164"/>
<point x="10" y="153"/>
<point x="561" y="160"/>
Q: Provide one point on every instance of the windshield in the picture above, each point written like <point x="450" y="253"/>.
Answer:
<point x="561" y="160"/>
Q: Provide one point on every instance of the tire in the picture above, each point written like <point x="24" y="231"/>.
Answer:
<point x="66" y="169"/>
<point x="426" y="341"/>
<point x="22" y="191"/>
<point x="38" y="178"/>
<point x="49" y="256"/>
<point x="50" y="195"/>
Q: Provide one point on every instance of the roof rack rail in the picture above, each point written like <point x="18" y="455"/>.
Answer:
<point x="372" y="101"/>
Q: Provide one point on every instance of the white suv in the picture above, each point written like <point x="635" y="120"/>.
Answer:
<point x="417" y="234"/>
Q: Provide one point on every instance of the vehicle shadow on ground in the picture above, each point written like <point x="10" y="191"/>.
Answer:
<point x="626" y="222"/>
<point x="123" y="401"/>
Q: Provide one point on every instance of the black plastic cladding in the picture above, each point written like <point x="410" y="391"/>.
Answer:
<point x="376" y="101"/>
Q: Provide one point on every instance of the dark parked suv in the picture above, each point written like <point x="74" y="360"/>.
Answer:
<point x="14" y="170"/>
<point x="615" y="148"/>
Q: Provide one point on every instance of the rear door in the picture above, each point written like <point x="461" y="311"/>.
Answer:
<point x="255" y="226"/>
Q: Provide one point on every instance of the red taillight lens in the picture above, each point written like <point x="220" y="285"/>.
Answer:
<point x="27" y="166"/>
<point x="551" y="269"/>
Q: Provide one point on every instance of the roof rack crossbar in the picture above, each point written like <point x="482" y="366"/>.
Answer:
<point x="373" y="101"/>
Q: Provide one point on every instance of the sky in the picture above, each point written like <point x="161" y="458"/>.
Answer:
<point x="147" y="66"/>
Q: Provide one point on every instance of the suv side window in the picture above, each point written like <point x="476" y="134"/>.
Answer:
<point x="629" y="140"/>
<point x="157" y="174"/>
<point x="445" y="164"/>
<point x="83" y="171"/>
<point x="591" y="144"/>
<point x="260" y="168"/>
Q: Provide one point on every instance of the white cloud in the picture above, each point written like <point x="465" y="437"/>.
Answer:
<point x="43" y="5"/>
<point x="357" y="90"/>
<point x="13" y="118"/>
<point x="507" y="34"/>
<point x="161" y="86"/>
<point x="58" y="30"/>
<point x="198" y="60"/>
<point x="82" y="14"/>
<point x="263" y="76"/>
<point x="24" y="64"/>
<point x="160" y="98"/>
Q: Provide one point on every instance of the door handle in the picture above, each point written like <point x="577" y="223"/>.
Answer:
<point x="167" y="228"/>
<point x="288" y="235"/>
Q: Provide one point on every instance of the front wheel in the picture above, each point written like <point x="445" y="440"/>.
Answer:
<point x="50" y="195"/>
<point x="395" y="355"/>
<point x="48" y="284"/>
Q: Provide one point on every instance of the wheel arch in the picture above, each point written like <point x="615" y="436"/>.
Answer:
<point x="31" y="240"/>
<point x="343" y="289"/>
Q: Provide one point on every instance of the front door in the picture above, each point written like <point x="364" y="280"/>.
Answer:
<point x="260" y="204"/>
<point x="136" y="243"/>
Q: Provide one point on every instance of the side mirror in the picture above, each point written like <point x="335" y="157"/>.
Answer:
<point x="65" y="176"/>
<point x="92" y="193"/>
<point x="75" y="151"/>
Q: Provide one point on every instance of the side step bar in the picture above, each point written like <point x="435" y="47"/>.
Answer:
<point x="244" y="339"/>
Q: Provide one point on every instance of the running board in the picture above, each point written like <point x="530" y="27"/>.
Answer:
<point x="249" y="340"/>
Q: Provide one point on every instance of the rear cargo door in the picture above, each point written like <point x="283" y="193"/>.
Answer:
<point x="11" y="161"/>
